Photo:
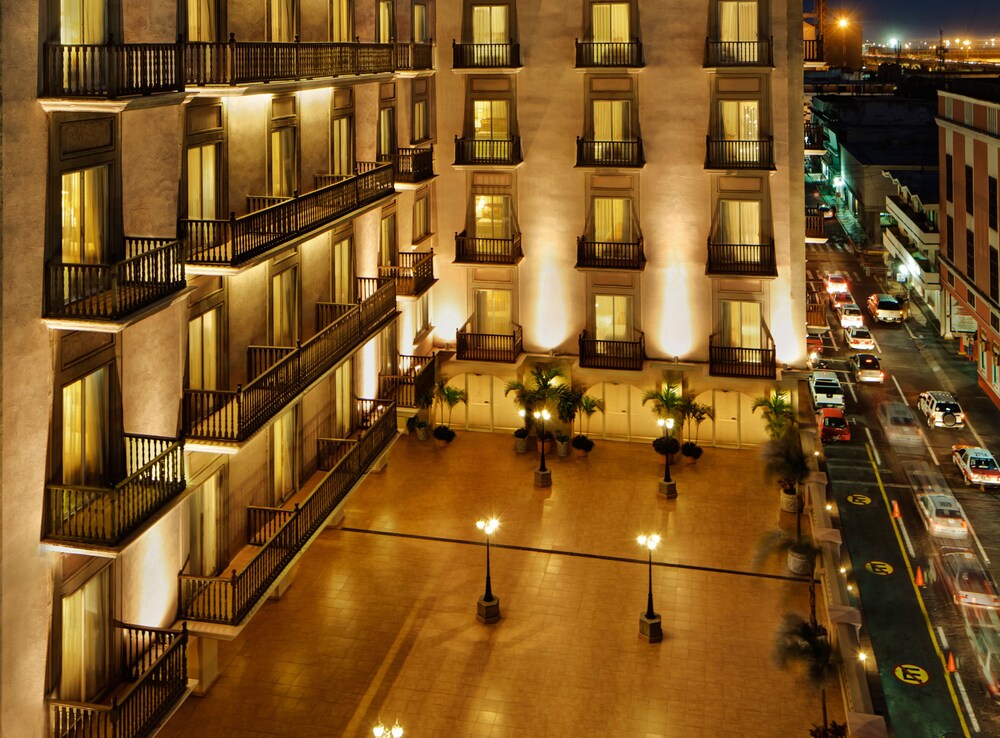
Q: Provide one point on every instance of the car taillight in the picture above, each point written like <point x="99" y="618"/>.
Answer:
<point x="882" y="375"/>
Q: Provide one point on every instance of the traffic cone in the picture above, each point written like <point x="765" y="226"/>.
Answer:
<point x="951" y="663"/>
<point x="895" y="509"/>
<point x="919" y="579"/>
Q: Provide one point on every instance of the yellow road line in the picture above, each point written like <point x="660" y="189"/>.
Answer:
<point x="916" y="591"/>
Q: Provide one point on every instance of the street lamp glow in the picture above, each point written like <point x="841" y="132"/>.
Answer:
<point x="544" y="415"/>
<point x="843" y="23"/>
<point x="396" y="731"/>
<point x="488" y="526"/>
<point x="862" y="656"/>
<point x="650" y="541"/>
<point x="893" y="43"/>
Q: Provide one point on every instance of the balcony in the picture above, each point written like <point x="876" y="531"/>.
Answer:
<point x="413" y="382"/>
<point x="153" y="679"/>
<point x="609" y="254"/>
<point x="812" y="51"/>
<point x="741" y="260"/>
<point x="477" y="151"/>
<point x="278" y="535"/>
<point x="414" y="57"/>
<point x="414" y="274"/>
<point x="472" y="250"/>
<point x="814" y="223"/>
<point x="625" y="355"/>
<point x="486" y="56"/>
<point x="278" y="375"/>
<point x="604" y="54"/>
<point x="105" y="516"/>
<point x="739" y="53"/>
<point x="111" y="70"/>
<point x="411" y="165"/>
<point x="280" y="221"/>
<point x="814" y="139"/>
<point x="733" y="154"/>
<point x="496" y="347"/>
<point x="619" y="154"/>
<point x="152" y="269"/>
<point x="737" y="361"/>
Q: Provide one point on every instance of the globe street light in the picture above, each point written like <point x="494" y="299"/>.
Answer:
<point x="543" y="477"/>
<point x="842" y="24"/>
<point x="668" y="487"/>
<point x="488" y="606"/>
<point x="396" y="731"/>
<point x="650" y="625"/>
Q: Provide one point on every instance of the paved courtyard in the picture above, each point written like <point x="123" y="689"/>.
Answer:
<point x="380" y="621"/>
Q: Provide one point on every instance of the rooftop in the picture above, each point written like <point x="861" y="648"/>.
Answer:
<point x="923" y="183"/>
<point x="982" y="88"/>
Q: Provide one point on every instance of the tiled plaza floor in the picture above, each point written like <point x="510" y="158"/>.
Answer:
<point x="380" y="625"/>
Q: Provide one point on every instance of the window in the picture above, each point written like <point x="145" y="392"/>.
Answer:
<point x="388" y="350"/>
<point x="282" y="26"/>
<point x="738" y="20"/>
<point x="386" y="30"/>
<point x="422" y="314"/>
<point x="85" y="434"/>
<point x="206" y="537"/>
<point x="993" y="203"/>
<point x="739" y="222"/>
<point x="203" y="182"/>
<point x="490" y="25"/>
<point x="610" y="23"/>
<point x="492" y="313"/>
<point x="613" y="220"/>
<point x="420" y="35"/>
<point x="341" y="25"/>
<point x="740" y="324"/>
<point x="995" y="322"/>
<point x="970" y="255"/>
<point x="83" y="21"/>
<point x="203" y="350"/>
<point x="386" y="133"/>
<point x="491" y="120"/>
<point x="388" y="248"/>
<point x="991" y="120"/>
<point x="949" y="237"/>
<point x="421" y="121"/>
<point x="86" y="639"/>
<point x="284" y="456"/>
<point x="343" y="271"/>
<point x="739" y="120"/>
<point x="612" y="120"/>
<point x="949" y="176"/>
<point x="421" y="217"/>
<point x="284" y="307"/>
<point x="493" y="217"/>
<point x="341" y="146"/>
<point x="613" y="318"/>
<point x="969" y="193"/>
<point x="994" y="275"/>
<point x="343" y="393"/>
<point x="202" y="20"/>
<point x="283" y="162"/>
<point x="85" y="215"/>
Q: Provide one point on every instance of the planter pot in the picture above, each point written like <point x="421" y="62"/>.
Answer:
<point x="691" y="460"/>
<point x="562" y="448"/>
<point x="441" y="443"/>
<point x="520" y="445"/>
<point x="546" y="444"/>
<point x="669" y="458"/>
<point x="789" y="501"/>
<point x="798" y="563"/>
<point x="423" y="434"/>
<point x="580" y="453"/>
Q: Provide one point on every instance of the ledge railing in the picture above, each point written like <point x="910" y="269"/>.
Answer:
<point x="603" y="354"/>
<point x="413" y="274"/>
<point x="235" y="415"/>
<point x="238" y="240"/>
<point x="590" y="153"/>
<point x="739" y="53"/>
<point x="735" y="154"/>
<point x="813" y="135"/>
<point x="414" y="380"/>
<point x="485" y="56"/>
<point x="152" y="268"/>
<point x="506" y="151"/>
<point x="742" y="259"/>
<point x="414" y="57"/>
<point x="736" y="361"/>
<point x="155" y="661"/>
<point x="105" y="516"/>
<point x="411" y="164"/>
<point x="814" y="223"/>
<point x="472" y="250"/>
<point x="282" y="534"/>
<point x="498" y="347"/>
<point x="609" y="254"/>
<point x="609" y="54"/>
<point x="812" y="50"/>
<point x="111" y="70"/>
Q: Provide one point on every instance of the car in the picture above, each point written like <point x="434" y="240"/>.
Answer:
<point x="828" y="211"/>
<point x="860" y="338"/>
<point x="839" y="298"/>
<point x="977" y="465"/>
<point x="832" y="425"/>
<point x="982" y="626"/>
<point x="899" y="425"/>
<point x="941" y="409"/>
<point x="867" y="368"/>
<point x="850" y="315"/>
<point x="885" y="308"/>
<point x="965" y="578"/>
<point x="836" y="282"/>
<point x="826" y="390"/>
<point x="943" y="516"/>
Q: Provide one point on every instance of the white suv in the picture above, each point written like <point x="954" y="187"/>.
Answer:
<point x="941" y="409"/>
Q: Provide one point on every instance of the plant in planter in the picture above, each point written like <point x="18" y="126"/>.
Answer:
<point x="562" y="444"/>
<point x="777" y="411"/>
<point x="521" y="440"/>
<point x="450" y="396"/>
<point x="785" y="461"/>
<point x="698" y="413"/>
<point x="538" y="393"/>
<point x="691" y="451"/>
<point x="587" y="406"/>
<point x="582" y="445"/>
<point x="808" y="643"/>
<point x="667" y="446"/>
<point x="421" y="423"/>
<point x="667" y="402"/>
<point x="443" y="435"/>
<point x="416" y="424"/>
<point x="546" y="439"/>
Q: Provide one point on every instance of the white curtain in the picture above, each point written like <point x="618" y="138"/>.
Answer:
<point x="387" y="241"/>
<point x="201" y="21"/>
<point x="493" y="216"/>
<point x="739" y="222"/>
<point x="741" y="324"/>
<point x="83" y="22"/>
<point x="737" y="20"/>
<point x="284" y="181"/>
<point x="203" y="524"/>
<point x="613" y="317"/>
<point x="85" y="429"/>
<point x="493" y="311"/>
<point x="202" y="164"/>
<point x="491" y="120"/>
<point x="85" y="639"/>
<point x="612" y="120"/>
<point x="611" y="22"/>
<point x="343" y="272"/>
<point x="284" y="308"/>
<point x="203" y="351"/>
<point x="343" y="389"/>
<point x="419" y="23"/>
<point x="386" y="131"/>
<point x="613" y="220"/>
<point x="386" y="22"/>
<point x="342" y="153"/>
<point x="340" y="21"/>
<point x="283" y="456"/>
<point x="84" y="215"/>
<point x="282" y="21"/>
<point x="489" y="24"/>
<point x="420" y="121"/>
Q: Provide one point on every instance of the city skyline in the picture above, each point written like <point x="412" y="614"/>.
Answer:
<point x="923" y="18"/>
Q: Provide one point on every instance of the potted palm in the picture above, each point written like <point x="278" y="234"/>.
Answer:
<point x="691" y="451"/>
<point x="521" y="439"/>
<point x="420" y="424"/>
<point x="562" y="444"/>
<point x="587" y="406"/>
<point x="667" y="447"/>
<point x="540" y="393"/>
<point x="693" y="413"/>
<point x="582" y="445"/>
<point x="450" y="396"/>
<point x="777" y="411"/>
<point x="785" y="461"/>
<point x="808" y="643"/>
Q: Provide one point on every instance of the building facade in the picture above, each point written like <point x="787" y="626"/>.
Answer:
<point x="969" y="149"/>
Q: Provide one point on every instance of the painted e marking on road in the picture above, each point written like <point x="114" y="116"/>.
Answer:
<point x="911" y="674"/>
<point x="859" y="500"/>
<point x="879" y="568"/>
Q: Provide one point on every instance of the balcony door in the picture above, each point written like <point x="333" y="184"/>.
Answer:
<point x="490" y="25"/>
<point x="613" y="220"/>
<point x="386" y="134"/>
<point x="493" y="216"/>
<point x="285" y="307"/>
<point x="284" y="456"/>
<point x="386" y="30"/>
<point x="388" y="247"/>
<point x="739" y="122"/>
<point x="202" y="20"/>
<point x="203" y="182"/>
<point x="343" y="396"/>
<point x="204" y="518"/>
<point x="203" y="350"/>
<point x="739" y="222"/>
<point x="420" y="34"/>
<point x="491" y="122"/>
<point x="610" y="23"/>
<point x="493" y="311"/>
<point x="284" y="174"/>
<point x="86" y="639"/>
<point x="740" y="324"/>
<point x="738" y="20"/>
<point x="342" y="291"/>
<point x="612" y="120"/>
<point x="613" y="319"/>
<point x="85" y="215"/>
<point x="341" y="146"/>
<point x="341" y="22"/>
<point x="85" y="430"/>
<point x="282" y="27"/>
<point x="83" y="21"/>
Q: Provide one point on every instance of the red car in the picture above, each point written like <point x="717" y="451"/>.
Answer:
<point x="832" y="424"/>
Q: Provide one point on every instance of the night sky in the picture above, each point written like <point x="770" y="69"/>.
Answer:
<point x="906" y="19"/>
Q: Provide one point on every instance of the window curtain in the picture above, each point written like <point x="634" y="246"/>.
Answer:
<point x="386" y="22"/>
<point x="491" y="120"/>
<point x="340" y="21"/>
<point x="492" y="311"/>
<point x="203" y="526"/>
<point x="343" y="388"/>
<point x="282" y="21"/>
<point x="386" y="131"/>
<point x="85" y="429"/>
<point x="613" y="220"/>
<point x="611" y="22"/>
<point x="283" y="177"/>
<point x="741" y="324"/>
<point x="612" y="120"/>
<point x="737" y="20"/>
<point x="201" y="182"/>
<point x="419" y="23"/>
<point x="343" y="272"/>
<point x="284" y="308"/>
<point x="84" y="639"/>
<point x="613" y="317"/>
<point x="387" y="241"/>
<point x="494" y="217"/>
<point x="420" y="126"/>
<point x="421" y="219"/>
<point x="739" y="222"/>
<point x="84" y="215"/>
<point x="489" y="24"/>
<point x="342" y="154"/>
<point x="82" y="22"/>
<point x="203" y="349"/>
<point x="283" y="457"/>
<point x="201" y="23"/>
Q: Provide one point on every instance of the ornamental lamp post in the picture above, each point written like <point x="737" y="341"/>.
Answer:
<point x="396" y="731"/>
<point x="668" y="487"/>
<point x="650" y="624"/>
<point x="543" y="477"/>
<point x="488" y="606"/>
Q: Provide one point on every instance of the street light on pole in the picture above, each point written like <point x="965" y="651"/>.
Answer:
<point x="488" y="606"/>
<point x="668" y="487"/>
<point x="842" y="24"/>
<point x="650" y="624"/>
<point x="543" y="477"/>
<point x="396" y="731"/>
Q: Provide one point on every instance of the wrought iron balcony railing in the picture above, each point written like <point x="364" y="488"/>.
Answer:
<point x="283" y="533"/>
<point x="486" y="56"/>
<point x="814" y="223"/>
<point x="240" y="239"/>
<point x="414" y="273"/>
<point x="413" y="381"/>
<point x="733" y="154"/>
<point x="414" y="57"/>
<point x="503" y="152"/>
<point x="609" y="254"/>
<point x="741" y="259"/>
<point x="472" y="250"/>
<point x="151" y="269"/>
<point x="738" y="361"/>
<point x="739" y="53"/>
<point x="277" y="375"/>
<point x="497" y="347"/>
<point x="609" y="54"/>
<point x="604" y="354"/>
<point x="622" y="154"/>
<point x="411" y="164"/>
<point x="107" y="515"/>
<point x="814" y="138"/>
<point x="812" y="50"/>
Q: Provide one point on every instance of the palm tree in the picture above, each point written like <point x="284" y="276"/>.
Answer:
<point x="449" y="396"/>
<point x="785" y="460"/>
<point x="568" y="404"/>
<point x="699" y="414"/>
<point x="667" y="402"/>
<point x="588" y="406"/>
<point x="777" y="410"/>
<point x="807" y="643"/>
<point x="523" y="398"/>
<point x="539" y="392"/>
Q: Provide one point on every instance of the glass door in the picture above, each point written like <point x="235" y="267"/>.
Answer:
<point x="203" y="351"/>
<point x="739" y="222"/>
<point x="85" y="422"/>
<point x="343" y="272"/>
<point x="284" y="308"/>
<point x="284" y="454"/>
<point x="740" y="123"/>
<point x="493" y="312"/>
<point x="613" y="318"/>
<point x="83" y="22"/>
<point x="204" y="517"/>
<point x="388" y="247"/>
<point x="282" y="27"/>
<point x="741" y="324"/>
<point x="386" y="31"/>
<point x="738" y="20"/>
<point x="341" y="147"/>
<point x="85" y="639"/>
<point x="341" y="25"/>
<point x="203" y="182"/>
<point x="490" y="25"/>
<point x="284" y="177"/>
<point x="419" y="23"/>
<point x="343" y="394"/>
<point x="202" y="21"/>
<point x="386" y="133"/>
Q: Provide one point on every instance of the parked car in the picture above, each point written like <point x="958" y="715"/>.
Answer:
<point x="832" y="425"/>
<point x="977" y="465"/>
<point x="860" y="338"/>
<point x="943" y="516"/>
<point x="828" y="211"/>
<point x="826" y="390"/>
<point x="885" y="308"/>
<point x="899" y="425"/>
<point x="965" y="578"/>
<point x="941" y="409"/>
<point x="982" y="625"/>
<point x="867" y="368"/>
<point x="850" y="315"/>
<point x="839" y="298"/>
<point x="836" y="282"/>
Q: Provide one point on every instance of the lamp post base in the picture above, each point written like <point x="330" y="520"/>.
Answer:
<point x="668" y="489"/>
<point x="488" y="611"/>
<point x="650" y="629"/>
<point x="543" y="478"/>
